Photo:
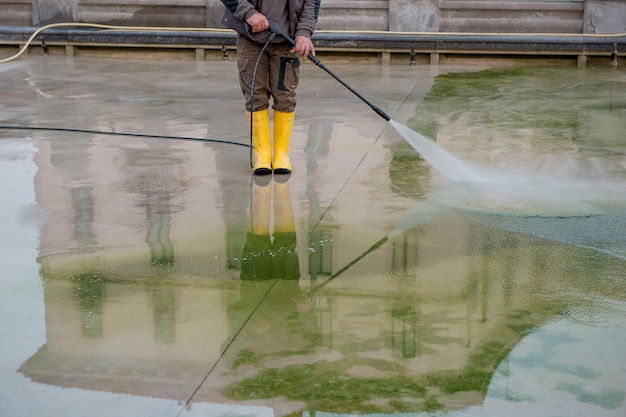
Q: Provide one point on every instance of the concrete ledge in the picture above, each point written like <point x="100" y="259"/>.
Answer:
<point x="347" y="43"/>
<point x="121" y="38"/>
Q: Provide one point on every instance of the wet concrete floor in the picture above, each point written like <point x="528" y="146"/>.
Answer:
<point x="144" y="276"/>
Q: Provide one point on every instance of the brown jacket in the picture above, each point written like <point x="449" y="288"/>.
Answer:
<point x="302" y="14"/>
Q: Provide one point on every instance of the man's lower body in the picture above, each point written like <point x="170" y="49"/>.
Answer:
<point x="277" y="78"/>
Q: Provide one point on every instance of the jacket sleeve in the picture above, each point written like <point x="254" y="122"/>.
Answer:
<point x="308" y="18"/>
<point x="242" y="9"/>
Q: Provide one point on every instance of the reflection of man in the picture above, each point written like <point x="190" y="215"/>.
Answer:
<point x="263" y="258"/>
<point x="273" y="314"/>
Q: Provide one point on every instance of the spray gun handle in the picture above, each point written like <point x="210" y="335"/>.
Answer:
<point x="275" y="28"/>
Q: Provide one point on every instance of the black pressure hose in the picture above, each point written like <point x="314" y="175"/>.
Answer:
<point x="270" y="37"/>
<point x="100" y="132"/>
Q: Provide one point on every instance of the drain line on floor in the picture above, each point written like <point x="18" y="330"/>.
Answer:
<point x="219" y="359"/>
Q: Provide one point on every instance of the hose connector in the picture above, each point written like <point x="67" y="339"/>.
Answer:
<point x="277" y="30"/>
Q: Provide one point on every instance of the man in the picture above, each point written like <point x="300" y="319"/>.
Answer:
<point x="277" y="74"/>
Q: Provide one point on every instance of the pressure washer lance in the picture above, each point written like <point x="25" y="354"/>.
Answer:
<point x="275" y="28"/>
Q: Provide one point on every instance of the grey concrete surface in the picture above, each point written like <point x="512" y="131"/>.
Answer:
<point x="129" y="207"/>
<point x="126" y="260"/>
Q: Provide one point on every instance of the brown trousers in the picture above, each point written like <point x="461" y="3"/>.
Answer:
<point x="276" y="77"/>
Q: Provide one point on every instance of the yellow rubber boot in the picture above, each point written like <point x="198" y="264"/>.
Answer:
<point x="261" y="141"/>
<point x="283" y="125"/>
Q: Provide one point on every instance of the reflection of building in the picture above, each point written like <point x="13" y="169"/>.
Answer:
<point x="116" y="255"/>
<point x="142" y="292"/>
<point x="121" y="196"/>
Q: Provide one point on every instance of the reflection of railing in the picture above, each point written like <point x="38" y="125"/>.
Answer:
<point x="321" y="251"/>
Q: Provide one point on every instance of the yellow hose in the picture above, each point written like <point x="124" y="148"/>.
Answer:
<point x="216" y="30"/>
<point x="108" y="27"/>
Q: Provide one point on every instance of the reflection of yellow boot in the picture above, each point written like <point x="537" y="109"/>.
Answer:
<point x="256" y="257"/>
<point x="283" y="125"/>
<point x="261" y="141"/>
<point x="283" y="208"/>
<point x="261" y="206"/>
<point x="285" y="262"/>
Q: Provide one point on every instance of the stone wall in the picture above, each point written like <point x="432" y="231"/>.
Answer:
<point x="16" y="13"/>
<point x="466" y="16"/>
<point x="605" y="16"/>
<point x="511" y="16"/>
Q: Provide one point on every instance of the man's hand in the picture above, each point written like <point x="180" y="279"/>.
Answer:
<point x="258" y="22"/>
<point x="304" y="45"/>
